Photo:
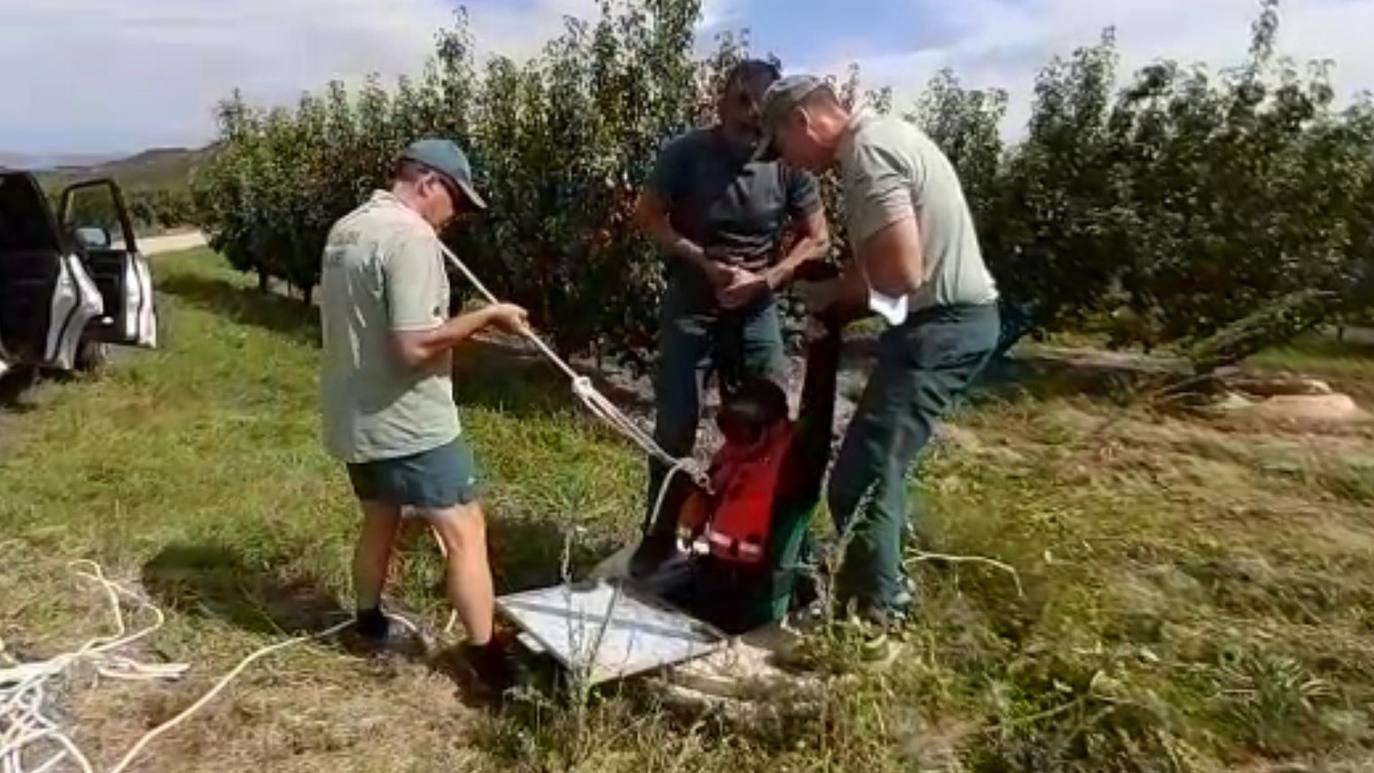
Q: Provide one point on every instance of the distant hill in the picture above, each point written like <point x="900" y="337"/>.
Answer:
<point x="51" y="161"/>
<point x="166" y="169"/>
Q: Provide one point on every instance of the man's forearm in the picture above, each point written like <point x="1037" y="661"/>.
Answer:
<point x="423" y="348"/>
<point x="679" y="247"/>
<point x="813" y="244"/>
<point x="807" y="248"/>
<point x="653" y="221"/>
<point x="465" y="326"/>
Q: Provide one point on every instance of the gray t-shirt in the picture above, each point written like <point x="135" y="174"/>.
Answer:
<point x="891" y="170"/>
<point x="383" y="272"/>
<point x="718" y="199"/>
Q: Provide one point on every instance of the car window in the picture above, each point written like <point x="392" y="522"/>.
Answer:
<point x="24" y="223"/>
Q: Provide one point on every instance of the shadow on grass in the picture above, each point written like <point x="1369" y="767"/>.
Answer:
<point x="527" y="553"/>
<point x="214" y="581"/>
<point x="1044" y="374"/>
<point x="515" y="379"/>
<point x="14" y="388"/>
<point x="246" y="305"/>
<point x="507" y="379"/>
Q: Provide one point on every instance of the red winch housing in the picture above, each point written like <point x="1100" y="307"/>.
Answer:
<point x="746" y="480"/>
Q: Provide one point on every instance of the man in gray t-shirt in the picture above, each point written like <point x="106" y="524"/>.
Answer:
<point x="916" y="263"/>
<point x="385" y="386"/>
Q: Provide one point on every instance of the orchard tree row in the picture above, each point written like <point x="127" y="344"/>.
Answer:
<point x="1222" y="209"/>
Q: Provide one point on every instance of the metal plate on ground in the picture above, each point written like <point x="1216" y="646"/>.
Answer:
<point x="636" y="633"/>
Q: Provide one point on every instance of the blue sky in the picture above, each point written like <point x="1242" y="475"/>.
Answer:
<point x="108" y="76"/>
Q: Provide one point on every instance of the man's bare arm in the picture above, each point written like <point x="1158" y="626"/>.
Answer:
<point x="893" y="258"/>
<point x="813" y="244"/>
<point x="651" y="215"/>
<point x="893" y="263"/>
<point x="421" y="348"/>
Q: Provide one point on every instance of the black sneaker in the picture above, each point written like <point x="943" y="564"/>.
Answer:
<point x="482" y="673"/>
<point x="491" y="662"/>
<point x="372" y="625"/>
<point x="374" y="633"/>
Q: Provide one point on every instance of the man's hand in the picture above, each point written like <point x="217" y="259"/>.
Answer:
<point x="717" y="273"/>
<point x="744" y="287"/>
<point x="508" y="317"/>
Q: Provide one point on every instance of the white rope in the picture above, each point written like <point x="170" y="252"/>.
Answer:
<point x="599" y="405"/>
<point x="219" y="686"/>
<point x="25" y="729"/>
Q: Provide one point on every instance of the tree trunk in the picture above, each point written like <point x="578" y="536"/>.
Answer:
<point x="262" y="281"/>
<point x="308" y="293"/>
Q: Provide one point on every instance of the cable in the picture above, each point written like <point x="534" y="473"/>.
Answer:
<point x="23" y="693"/>
<point x="599" y="405"/>
<point x="23" y="724"/>
<point x="220" y="685"/>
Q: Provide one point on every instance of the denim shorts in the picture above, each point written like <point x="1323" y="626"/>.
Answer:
<point x="435" y="479"/>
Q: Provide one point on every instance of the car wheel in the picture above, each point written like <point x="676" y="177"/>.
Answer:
<point x="92" y="355"/>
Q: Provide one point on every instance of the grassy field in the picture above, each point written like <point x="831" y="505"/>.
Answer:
<point x="1196" y="598"/>
<point x="1348" y="363"/>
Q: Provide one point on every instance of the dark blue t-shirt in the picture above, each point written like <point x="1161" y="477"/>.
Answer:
<point x="720" y="200"/>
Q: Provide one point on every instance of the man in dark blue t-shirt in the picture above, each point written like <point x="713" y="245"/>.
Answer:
<point x="733" y="230"/>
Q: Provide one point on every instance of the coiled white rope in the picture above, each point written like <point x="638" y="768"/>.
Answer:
<point x="26" y="728"/>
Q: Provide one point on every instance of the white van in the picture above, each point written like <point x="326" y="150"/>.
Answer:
<point x="71" y="283"/>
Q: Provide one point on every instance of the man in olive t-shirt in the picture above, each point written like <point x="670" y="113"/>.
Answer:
<point x="917" y="264"/>
<point x="721" y="218"/>
<point x="386" y="390"/>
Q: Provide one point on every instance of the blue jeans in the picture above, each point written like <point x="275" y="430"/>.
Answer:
<point x="924" y="365"/>
<point x="695" y="338"/>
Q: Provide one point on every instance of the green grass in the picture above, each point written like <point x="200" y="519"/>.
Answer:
<point x="1195" y="599"/>
<point x="1321" y="355"/>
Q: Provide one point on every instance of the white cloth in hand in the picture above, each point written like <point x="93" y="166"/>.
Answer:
<point x="893" y="310"/>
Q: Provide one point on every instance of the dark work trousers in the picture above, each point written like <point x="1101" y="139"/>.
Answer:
<point x="923" y="366"/>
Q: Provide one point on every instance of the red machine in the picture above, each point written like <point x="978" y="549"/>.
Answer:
<point x="746" y="479"/>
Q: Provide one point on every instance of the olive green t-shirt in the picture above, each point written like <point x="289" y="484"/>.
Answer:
<point x="382" y="272"/>
<point x="891" y="170"/>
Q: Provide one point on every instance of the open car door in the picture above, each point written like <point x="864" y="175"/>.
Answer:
<point x="93" y="215"/>
<point x="46" y="297"/>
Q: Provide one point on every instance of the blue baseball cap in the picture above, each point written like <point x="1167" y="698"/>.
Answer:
<point x="449" y="161"/>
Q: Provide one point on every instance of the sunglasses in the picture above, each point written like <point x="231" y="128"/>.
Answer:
<point x="455" y="195"/>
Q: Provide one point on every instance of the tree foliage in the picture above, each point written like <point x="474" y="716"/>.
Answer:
<point x="1172" y="205"/>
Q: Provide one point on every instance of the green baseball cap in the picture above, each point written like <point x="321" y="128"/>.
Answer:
<point x="449" y="161"/>
<point x="779" y="101"/>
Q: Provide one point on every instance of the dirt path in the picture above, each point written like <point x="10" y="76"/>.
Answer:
<point x="156" y="245"/>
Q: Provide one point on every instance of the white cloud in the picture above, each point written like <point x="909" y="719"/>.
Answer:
<point x="113" y="76"/>
<point x="720" y="14"/>
<point x="1003" y="44"/>
<point x="121" y="75"/>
